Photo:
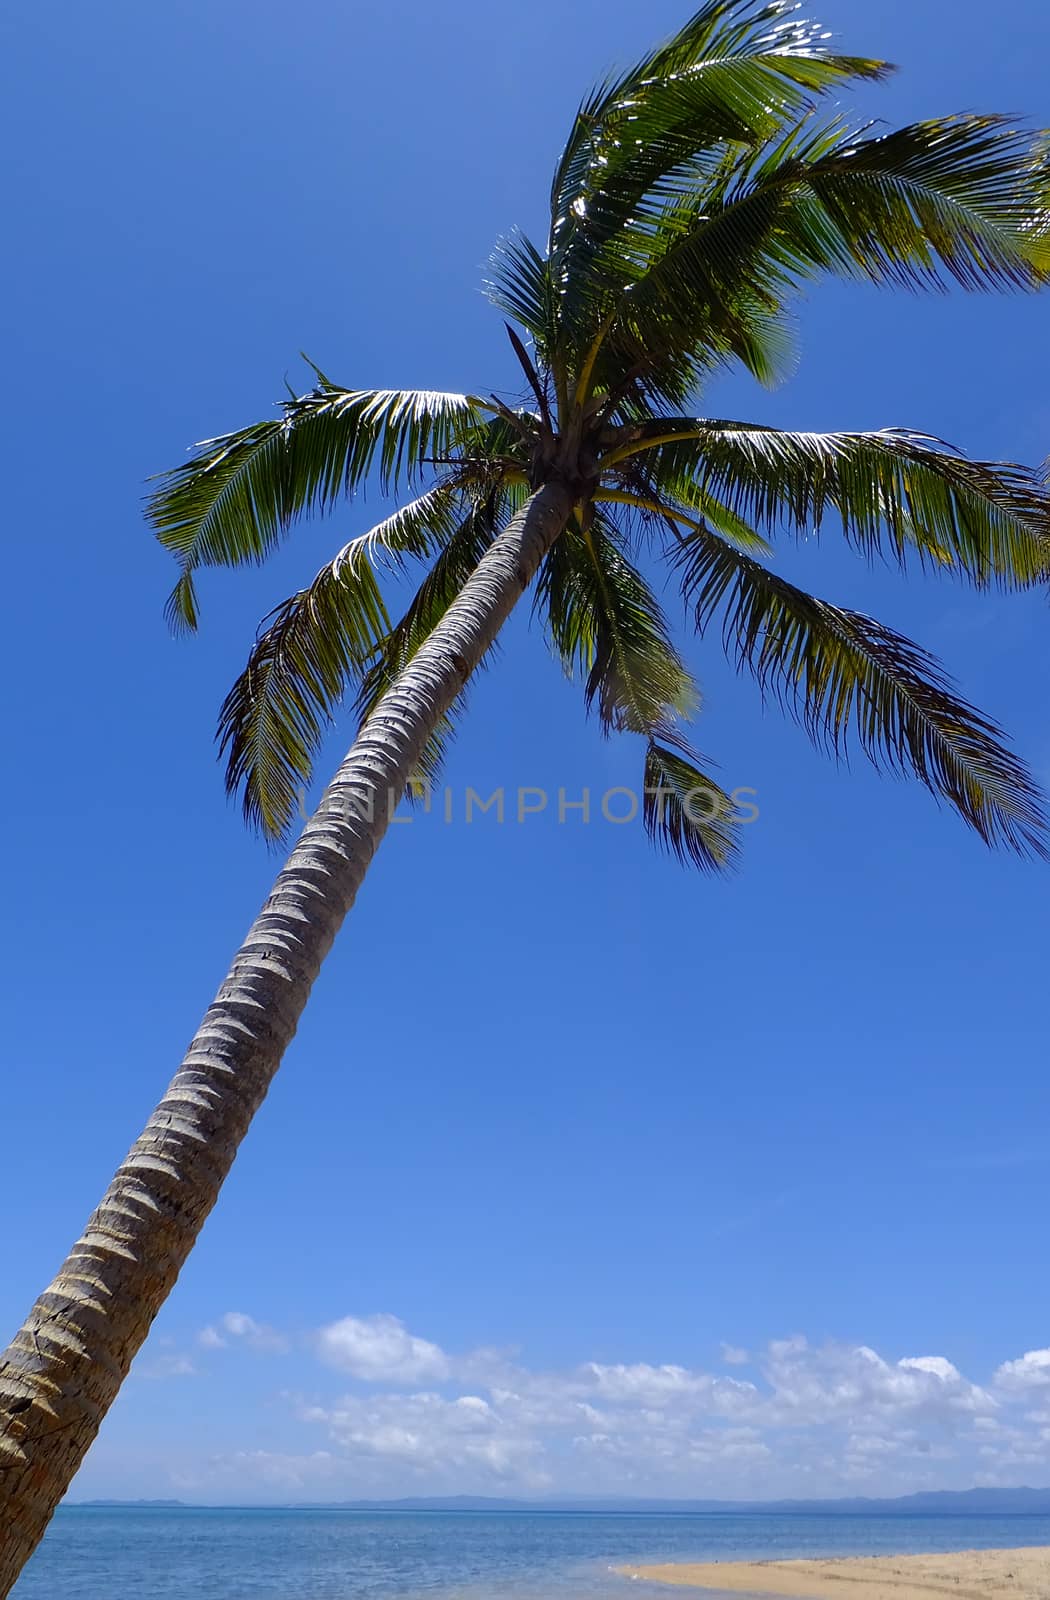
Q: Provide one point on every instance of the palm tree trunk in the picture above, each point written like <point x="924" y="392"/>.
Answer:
<point x="64" y="1367"/>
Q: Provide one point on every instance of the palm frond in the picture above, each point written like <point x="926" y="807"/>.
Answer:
<point x="735" y="72"/>
<point x="757" y="29"/>
<point x="956" y="199"/>
<point x="744" y="328"/>
<point x="417" y="530"/>
<point x="896" y="492"/>
<point x="607" y="626"/>
<point x="841" y="673"/>
<point x="761" y="337"/>
<point x="679" y="499"/>
<point x="235" y="499"/>
<point x="520" y="284"/>
<point x="274" y="717"/>
<point x="685" y="812"/>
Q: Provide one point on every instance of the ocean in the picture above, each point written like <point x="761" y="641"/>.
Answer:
<point x="100" y="1553"/>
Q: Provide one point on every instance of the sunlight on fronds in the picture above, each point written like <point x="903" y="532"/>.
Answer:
<point x="234" y="501"/>
<point x="896" y="493"/>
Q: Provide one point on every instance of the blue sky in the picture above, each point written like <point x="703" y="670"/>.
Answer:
<point x="583" y="1173"/>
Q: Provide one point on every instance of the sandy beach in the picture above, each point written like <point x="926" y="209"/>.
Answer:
<point x="966" y="1574"/>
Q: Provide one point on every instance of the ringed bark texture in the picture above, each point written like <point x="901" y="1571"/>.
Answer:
<point x="64" y="1367"/>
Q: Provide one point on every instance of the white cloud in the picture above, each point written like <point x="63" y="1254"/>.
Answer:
<point x="841" y="1382"/>
<point x="734" y="1356"/>
<point x="380" y="1349"/>
<point x="237" y="1325"/>
<point x="937" y="1366"/>
<point x="1030" y="1371"/>
<point x="645" y="1385"/>
<point x="428" y="1433"/>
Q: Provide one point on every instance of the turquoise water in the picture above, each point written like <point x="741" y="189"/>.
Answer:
<point x="103" y="1554"/>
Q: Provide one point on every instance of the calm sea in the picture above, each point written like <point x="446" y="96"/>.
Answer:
<point x="102" y="1554"/>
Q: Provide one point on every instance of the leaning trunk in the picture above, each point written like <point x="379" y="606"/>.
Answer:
<point x="62" y="1372"/>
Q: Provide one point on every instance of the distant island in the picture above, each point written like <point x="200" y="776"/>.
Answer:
<point x="937" y="1502"/>
<point x="157" y="1505"/>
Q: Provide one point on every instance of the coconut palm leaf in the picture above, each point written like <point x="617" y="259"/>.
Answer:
<point x="686" y="813"/>
<point x="520" y="283"/>
<point x="419" y="529"/>
<point x="896" y="492"/>
<point x="680" y="502"/>
<point x="233" y="502"/>
<point x="742" y="329"/>
<point x="955" y="199"/>
<point x="275" y="715"/>
<point x="734" y="73"/>
<point x="608" y="627"/>
<point x="841" y="673"/>
<point x="946" y="199"/>
<point x="772" y="31"/>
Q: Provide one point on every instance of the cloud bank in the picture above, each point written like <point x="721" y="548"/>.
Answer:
<point x="377" y="1409"/>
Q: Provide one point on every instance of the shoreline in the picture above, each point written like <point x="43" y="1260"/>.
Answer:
<point x="1022" y="1574"/>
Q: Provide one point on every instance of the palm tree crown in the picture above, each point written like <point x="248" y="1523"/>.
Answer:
<point x="696" y="194"/>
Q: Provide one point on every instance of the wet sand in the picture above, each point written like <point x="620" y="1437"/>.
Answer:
<point x="966" y="1575"/>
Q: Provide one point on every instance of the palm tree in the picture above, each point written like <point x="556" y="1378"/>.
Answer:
<point x="696" y="194"/>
